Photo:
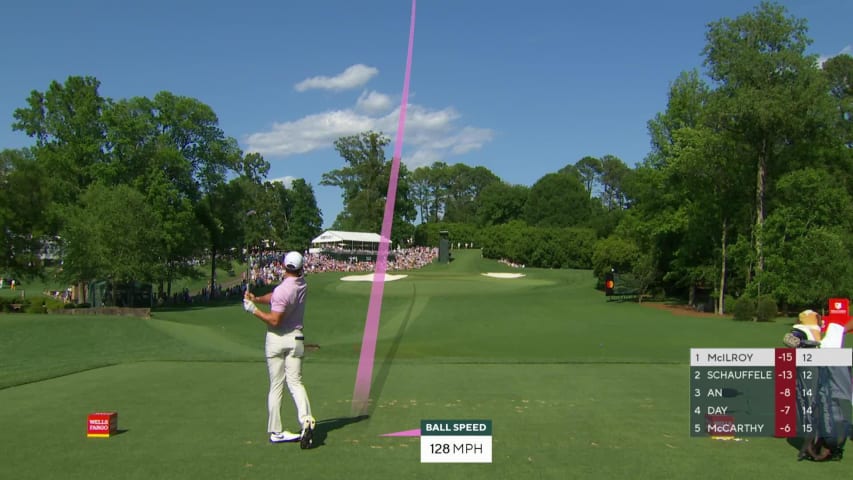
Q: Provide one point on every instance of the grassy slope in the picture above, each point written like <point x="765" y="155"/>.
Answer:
<point x="576" y="387"/>
<point x="35" y="287"/>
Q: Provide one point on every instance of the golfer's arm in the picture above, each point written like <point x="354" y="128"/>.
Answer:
<point x="849" y="327"/>
<point x="270" y="318"/>
<point x="263" y="298"/>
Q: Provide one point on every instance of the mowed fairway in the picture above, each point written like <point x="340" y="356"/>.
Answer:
<point x="576" y="387"/>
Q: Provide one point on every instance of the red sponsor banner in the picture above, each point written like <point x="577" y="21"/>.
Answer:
<point x="839" y="306"/>
<point x="102" y="424"/>
<point x="839" y="312"/>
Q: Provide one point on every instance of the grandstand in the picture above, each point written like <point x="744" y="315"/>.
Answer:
<point x="336" y="240"/>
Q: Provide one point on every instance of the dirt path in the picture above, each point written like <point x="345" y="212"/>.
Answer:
<point x="683" y="310"/>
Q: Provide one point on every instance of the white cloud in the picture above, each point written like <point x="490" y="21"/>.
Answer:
<point x="423" y="157"/>
<point x="353" y="77"/>
<point x="430" y="135"/>
<point x="848" y="50"/>
<point x="308" y="133"/>
<point x="287" y="181"/>
<point x="373" y="102"/>
<point x="471" y="138"/>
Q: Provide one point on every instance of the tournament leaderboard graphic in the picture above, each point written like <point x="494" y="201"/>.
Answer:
<point x="753" y="392"/>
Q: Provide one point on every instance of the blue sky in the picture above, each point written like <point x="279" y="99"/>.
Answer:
<point x="521" y="88"/>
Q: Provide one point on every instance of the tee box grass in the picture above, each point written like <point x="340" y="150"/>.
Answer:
<point x="576" y="387"/>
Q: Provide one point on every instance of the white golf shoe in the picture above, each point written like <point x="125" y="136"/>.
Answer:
<point x="285" y="436"/>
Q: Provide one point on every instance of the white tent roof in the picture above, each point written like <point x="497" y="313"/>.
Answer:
<point x="337" y="236"/>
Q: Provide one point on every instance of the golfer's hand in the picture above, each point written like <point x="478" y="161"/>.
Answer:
<point x="249" y="306"/>
<point x="249" y="296"/>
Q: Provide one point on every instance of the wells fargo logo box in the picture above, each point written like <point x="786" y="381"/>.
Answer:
<point x="839" y="308"/>
<point x="102" y="424"/>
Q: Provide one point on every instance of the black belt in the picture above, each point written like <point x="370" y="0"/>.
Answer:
<point x="300" y="338"/>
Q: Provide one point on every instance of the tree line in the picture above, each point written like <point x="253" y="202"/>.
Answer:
<point x="137" y="189"/>
<point x="745" y="192"/>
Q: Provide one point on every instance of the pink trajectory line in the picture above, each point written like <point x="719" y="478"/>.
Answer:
<point x="363" y="378"/>
<point x="405" y="433"/>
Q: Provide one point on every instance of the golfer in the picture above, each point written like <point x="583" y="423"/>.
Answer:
<point x="285" y="346"/>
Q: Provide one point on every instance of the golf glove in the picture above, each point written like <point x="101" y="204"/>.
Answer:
<point x="249" y="306"/>
<point x="791" y="340"/>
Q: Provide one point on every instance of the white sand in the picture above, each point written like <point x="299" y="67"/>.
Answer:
<point x="504" y="275"/>
<point x="369" y="278"/>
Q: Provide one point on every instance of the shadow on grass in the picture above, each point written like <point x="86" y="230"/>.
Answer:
<point x="385" y="368"/>
<point x="188" y="307"/>
<point x="796" y="442"/>
<point x="325" y="426"/>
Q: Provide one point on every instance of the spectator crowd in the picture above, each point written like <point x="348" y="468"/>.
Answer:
<point x="269" y="270"/>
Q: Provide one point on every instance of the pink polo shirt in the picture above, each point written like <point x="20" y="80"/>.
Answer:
<point x="289" y="297"/>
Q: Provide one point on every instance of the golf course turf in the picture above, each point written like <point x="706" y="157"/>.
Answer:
<point x="575" y="387"/>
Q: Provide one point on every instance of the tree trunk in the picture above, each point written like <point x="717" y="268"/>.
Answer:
<point x="759" y="207"/>
<point x="81" y="294"/>
<point x="212" y="271"/>
<point x="170" y="272"/>
<point x="721" y="302"/>
<point x="112" y="290"/>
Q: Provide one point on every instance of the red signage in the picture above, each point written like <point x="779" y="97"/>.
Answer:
<point x="839" y="306"/>
<point x="102" y="424"/>
<point x="839" y="312"/>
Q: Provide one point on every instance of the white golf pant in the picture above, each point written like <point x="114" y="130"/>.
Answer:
<point x="284" y="361"/>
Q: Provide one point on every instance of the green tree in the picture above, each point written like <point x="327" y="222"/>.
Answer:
<point x="500" y="203"/>
<point x="703" y="167"/>
<point x="24" y="195"/>
<point x="439" y="179"/>
<point x="420" y="188"/>
<point x="557" y="200"/>
<point x="364" y="181"/>
<point x="296" y="217"/>
<point x="431" y="191"/>
<point x="66" y="123"/>
<point x="464" y="188"/>
<point x="172" y="149"/>
<point x="770" y="96"/>
<point x="142" y="155"/>
<point x="839" y="74"/>
<point x="689" y="193"/>
<point x="112" y="235"/>
<point x="192" y="129"/>
<point x="614" y="175"/>
<point x="361" y="181"/>
<point x="807" y="258"/>
<point x="686" y="102"/>
<point x="614" y="253"/>
<point x="590" y="170"/>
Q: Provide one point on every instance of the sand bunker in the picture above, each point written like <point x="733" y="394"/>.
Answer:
<point x="369" y="278"/>
<point x="504" y="275"/>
